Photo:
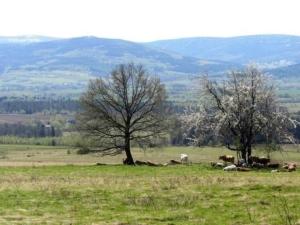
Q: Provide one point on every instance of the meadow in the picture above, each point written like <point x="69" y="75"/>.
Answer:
<point x="54" y="185"/>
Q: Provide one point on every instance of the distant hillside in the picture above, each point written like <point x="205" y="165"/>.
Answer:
<point x="44" y="64"/>
<point x="98" y="56"/>
<point x="287" y="71"/>
<point x="271" y="50"/>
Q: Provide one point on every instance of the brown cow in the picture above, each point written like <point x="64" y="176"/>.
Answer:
<point x="290" y="166"/>
<point x="273" y="165"/>
<point x="257" y="165"/>
<point x="227" y="158"/>
<point x="261" y="160"/>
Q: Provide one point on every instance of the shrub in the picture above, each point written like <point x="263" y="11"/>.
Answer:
<point x="83" y="150"/>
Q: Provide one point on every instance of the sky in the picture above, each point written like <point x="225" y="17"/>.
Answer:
<point x="148" y="20"/>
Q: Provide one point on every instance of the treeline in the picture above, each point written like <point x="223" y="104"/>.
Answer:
<point x="27" y="105"/>
<point x="31" y="105"/>
<point x="177" y="134"/>
<point x="29" y="130"/>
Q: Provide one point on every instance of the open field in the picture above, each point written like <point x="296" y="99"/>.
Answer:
<point x="34" y="155"/>
<point x="22" y="118"/>
<point x="142" y="195"/>
<point x="53" y="185"/>
<point x="29" y="118"/>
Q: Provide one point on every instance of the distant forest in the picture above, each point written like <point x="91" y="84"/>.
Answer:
<point x="27" y="105"/>
<point x="68" y="107"/>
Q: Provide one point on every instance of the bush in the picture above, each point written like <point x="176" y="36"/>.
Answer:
<point x="53" y="142"/>
<point x="83" y="150"/>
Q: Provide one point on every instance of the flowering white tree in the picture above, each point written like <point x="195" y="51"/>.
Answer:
<point x="238" y="111"/>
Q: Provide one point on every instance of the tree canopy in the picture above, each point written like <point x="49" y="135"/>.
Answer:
<point x="124" y="107"/>
<point x="239" y="111"/>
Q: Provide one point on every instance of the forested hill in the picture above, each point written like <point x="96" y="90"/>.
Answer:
<point x="96" y="55"/>
<point x="276" y="49"/>
<point x="35" y="64"/>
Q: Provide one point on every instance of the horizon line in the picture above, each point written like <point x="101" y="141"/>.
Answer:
<point x="28" y="36"/>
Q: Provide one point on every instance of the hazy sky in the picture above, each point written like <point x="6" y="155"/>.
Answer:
<point x="144" y="20"/>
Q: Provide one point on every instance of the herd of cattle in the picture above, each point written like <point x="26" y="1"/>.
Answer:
<point x="228" y="164"/>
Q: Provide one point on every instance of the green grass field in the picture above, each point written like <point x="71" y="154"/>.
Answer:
<point x="53" y="185"/>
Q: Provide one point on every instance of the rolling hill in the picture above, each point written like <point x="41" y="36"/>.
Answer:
<point x="269" y="50"/>
<point x="98" y="56"/>
<point x="45" y="65"/>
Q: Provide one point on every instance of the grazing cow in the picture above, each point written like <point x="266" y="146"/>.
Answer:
<point x="230" y="168"/>
<point x="253" y="159"/>
<point x="227" y="158"/>
<point x="257" y="165"/>
<point x="264" y="160"/>
<point x="261" y="160"/>
<point x="184" y="158"/>
<point x="273" y="165"/>
<point x="290" y="166"/>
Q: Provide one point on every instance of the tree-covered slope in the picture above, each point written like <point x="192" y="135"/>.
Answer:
<point x="273" y="49"/>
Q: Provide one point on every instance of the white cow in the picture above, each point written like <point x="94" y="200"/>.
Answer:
<point x="230" y="168"/>
<point x="184" y="158"/>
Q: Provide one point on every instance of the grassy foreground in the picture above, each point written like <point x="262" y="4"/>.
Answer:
<point x="146" y="195"/>
<point x="39" y="186"/>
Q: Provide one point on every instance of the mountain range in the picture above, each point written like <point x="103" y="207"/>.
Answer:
<point x="44" y="63"/>
<point x="244" y="49"/>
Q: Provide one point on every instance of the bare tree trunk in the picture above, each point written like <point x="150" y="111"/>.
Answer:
<point x="244" y="155"/>
<point x="129" y="159"/>
<point x="249" y="152"/>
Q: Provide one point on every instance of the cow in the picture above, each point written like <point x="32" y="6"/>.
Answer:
<point x="260" y="160"/>
<point x="273" y="165"/>
<point x="290" y="166"/>
<point x="184" y="158"/>
<point x="217" y="164"/>
<point x="257" y="165"/>
<point x="230" y="168"/>
<point x="227" y="158"/>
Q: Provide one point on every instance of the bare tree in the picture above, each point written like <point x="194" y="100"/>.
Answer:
<point x="127" y="106"/>
<point x="239" y="110"/>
